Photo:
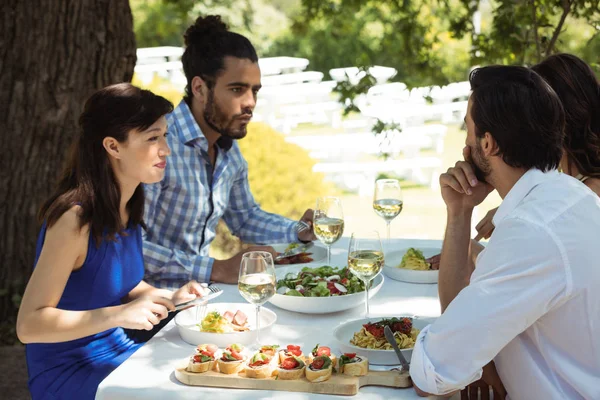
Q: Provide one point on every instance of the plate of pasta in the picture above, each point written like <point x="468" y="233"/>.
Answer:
<point x="413" y="265"/>
<point x="365" y="337"/>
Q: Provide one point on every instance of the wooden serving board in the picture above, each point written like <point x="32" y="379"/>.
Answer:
<point x="338" y="383"/>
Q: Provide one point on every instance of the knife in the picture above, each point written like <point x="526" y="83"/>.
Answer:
<point x="392" y="340"/>
<point x="295" y="251"/>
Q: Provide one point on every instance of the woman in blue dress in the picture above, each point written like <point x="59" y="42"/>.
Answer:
<point x="87" y="282"/>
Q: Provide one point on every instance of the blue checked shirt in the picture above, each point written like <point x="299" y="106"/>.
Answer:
<point x="182" y="211"/>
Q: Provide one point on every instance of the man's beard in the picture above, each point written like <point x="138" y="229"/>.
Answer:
<point x="217" y="119"/>
<point x="479" y="163"/>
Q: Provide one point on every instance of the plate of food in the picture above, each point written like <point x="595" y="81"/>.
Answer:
<point x="223" y="324"/>
<point x="321" y="290"/>
<point x="365" y="337"/>
<point x="315" y="253"/>
<point x="414" y="265"/>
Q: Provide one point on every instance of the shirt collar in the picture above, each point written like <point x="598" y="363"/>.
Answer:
<point x="520" y="190"/>
<point x="190" y="130"/>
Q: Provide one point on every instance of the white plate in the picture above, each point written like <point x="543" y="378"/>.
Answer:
<point x="190" y="332"/>
<point x="344" y="332"/>
<point x="393" y="259"/>
<point x="324" y="305"/>
<point x="318" y="253"/>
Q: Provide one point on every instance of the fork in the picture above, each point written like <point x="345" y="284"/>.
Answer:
<point x="301" y="226"/>
<point x="215" y="291"/>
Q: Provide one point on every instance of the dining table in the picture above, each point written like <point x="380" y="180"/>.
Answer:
<point x="149" y="372"/>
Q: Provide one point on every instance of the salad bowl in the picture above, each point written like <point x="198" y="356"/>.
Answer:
<point x="315" y="299"/>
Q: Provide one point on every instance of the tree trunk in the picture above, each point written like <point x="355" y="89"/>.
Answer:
<point x="53" y="55"/>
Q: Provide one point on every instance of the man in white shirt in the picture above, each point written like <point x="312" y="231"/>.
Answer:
<point x="532" y="304"/>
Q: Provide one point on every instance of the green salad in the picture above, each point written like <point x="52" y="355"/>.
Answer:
<point x="320" y="282"/>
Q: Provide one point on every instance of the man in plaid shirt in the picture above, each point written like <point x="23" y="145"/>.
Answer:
<point x="206" y="177"/>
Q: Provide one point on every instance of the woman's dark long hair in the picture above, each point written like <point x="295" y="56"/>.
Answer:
<point x="88" y="179"/>
<point x="577" y="87"/>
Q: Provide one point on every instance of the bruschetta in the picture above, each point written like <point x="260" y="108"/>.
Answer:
<point x="289" y="351"/>
<point x="232" y="360"/>
<point x="320" y="369"/>
<point x="291" y="368"/>
<point x="204" y="358"/>
<point x="259" y="366"/>
<point x="351" y="364"/>
<point x="322" y="351"/>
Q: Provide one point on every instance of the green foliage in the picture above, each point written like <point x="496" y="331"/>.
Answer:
<point x="411" y="36"/>
<point x="159" y="23"/>
<point x="525" y="32"/>
<point x="435" y="41"/>
<point x="163" y="22"/>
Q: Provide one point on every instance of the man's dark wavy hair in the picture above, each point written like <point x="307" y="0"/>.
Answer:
<point x="521" y="112"/>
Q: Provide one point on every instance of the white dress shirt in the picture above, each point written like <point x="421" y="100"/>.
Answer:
<point x="533" y="303"/>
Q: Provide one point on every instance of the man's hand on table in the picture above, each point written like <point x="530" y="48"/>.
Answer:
<point x="228" y="271"/>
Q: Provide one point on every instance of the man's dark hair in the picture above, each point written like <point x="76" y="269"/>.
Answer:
<point x="208" y="41"/>
<point x="577" y="88"/>
<point x="521" y="112"/>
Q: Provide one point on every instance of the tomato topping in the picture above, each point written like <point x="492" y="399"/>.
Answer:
<point x="289" y="363"/>
<point x="207" y="354"/>
<point x="374" y="330"/>
<point x="350" y="355"/>
<point x="258" y="363"/>
<point x="402" y="326"/>
<point x="324" y="351"/>
<point x="318" y="363"/>
<point x="295" y="350"/>
<point x="198" y="358"/>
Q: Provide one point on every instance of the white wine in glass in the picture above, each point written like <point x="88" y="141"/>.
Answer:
<point x="387" y="200"/>
<point x="365" y="260"/>
<point x="257" y="281"/>
<point x="328" y="222"/>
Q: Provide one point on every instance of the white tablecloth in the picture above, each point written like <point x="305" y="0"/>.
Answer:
<point x="148" y="373"/>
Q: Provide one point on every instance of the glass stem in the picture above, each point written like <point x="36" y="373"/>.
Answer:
<point x="388" y="223"/>
<point x="258" y="326"/>
<point x="367" y="298"/>
<point x="329" y="255"/>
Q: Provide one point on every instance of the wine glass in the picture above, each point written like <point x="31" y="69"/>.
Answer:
<point x="328" y="222"/>
<point x="365" y="259"/>
<point x="257" y="281"/>
<point x="387" y="200"/>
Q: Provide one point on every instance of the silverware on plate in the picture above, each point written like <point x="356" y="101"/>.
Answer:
<point x="392" y="340"/>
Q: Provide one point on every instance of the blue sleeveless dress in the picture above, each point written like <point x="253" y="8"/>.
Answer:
<point x="74" y="369"/>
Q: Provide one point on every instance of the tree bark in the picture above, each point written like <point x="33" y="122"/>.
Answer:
<point x="53" y="55"/>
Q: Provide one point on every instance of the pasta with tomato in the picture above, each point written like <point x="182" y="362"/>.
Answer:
<point x="371" y="335"/>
